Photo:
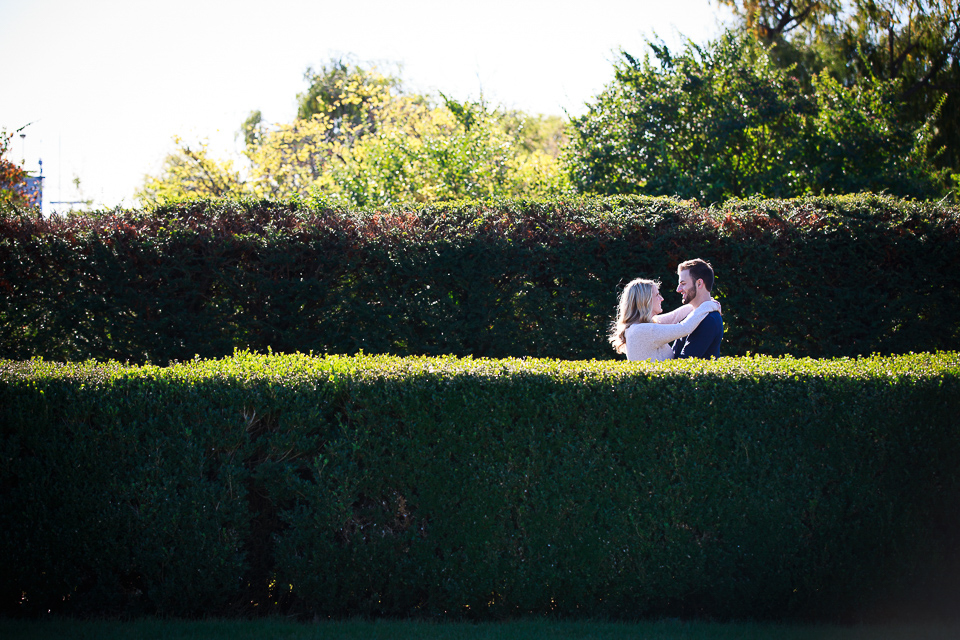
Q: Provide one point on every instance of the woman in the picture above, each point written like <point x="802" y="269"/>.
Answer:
<point x="643" y="331"/>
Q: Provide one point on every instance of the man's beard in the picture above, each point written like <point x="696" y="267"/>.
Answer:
<point x="689" y="295"/>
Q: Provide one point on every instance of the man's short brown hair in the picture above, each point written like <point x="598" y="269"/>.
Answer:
<point x="699" y="270"/>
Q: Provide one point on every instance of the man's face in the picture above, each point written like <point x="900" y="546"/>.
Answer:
<point x="686" y="286"/>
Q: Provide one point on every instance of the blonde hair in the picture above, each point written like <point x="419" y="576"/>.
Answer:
<point x="636" y="306"/>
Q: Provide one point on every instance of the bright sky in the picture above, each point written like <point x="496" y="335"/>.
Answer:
<point x="106" y="84"/>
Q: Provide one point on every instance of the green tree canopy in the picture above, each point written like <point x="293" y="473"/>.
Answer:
<point x="360" y="139"/>
<point x="915" y="42"/>
<point x="726" y="120"/>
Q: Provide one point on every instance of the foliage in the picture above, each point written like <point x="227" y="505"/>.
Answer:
<point x="812" y="277"/>
<point x="405" y="150"/>
<point x="727" y="121"/>
<point x="430" y="153"/>
<point x="253" y="128"/>
<point x="191" y="173"/>
<point x="708" y="123"/>
<point x="913" y="42"/>
<point x="359" y="140"/>
<point x="856" y="129"/>
<point x="771" y="19"/>
<point x="12" y="178"/>
<point x="475" y="488"/>
<point x="347" y="94"/>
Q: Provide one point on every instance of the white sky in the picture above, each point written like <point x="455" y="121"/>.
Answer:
<point x="108" y="83"/>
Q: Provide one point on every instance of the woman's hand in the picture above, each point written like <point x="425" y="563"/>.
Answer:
<point x="713" y="305"/>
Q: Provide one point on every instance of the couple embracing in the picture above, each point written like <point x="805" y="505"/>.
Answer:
<point x="644" y="332"/>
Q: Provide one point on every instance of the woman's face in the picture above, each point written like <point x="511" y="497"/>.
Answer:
<point x="657" y="299"/>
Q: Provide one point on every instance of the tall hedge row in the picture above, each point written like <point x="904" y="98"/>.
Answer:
<point x="741" y="487"/>
<point x="818" y="277"/>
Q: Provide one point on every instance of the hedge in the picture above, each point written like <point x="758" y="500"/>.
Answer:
<point x="380" y="486"/>
<point x="813" y="277"/>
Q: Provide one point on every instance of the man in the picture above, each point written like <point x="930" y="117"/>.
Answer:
<point x="695" y="284"/>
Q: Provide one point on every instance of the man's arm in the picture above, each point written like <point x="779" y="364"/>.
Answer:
<point x="700" y="342"/>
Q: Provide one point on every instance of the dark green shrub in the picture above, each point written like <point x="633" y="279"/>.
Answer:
<point x="742" y="487"/>
<point x="817" y="277"/>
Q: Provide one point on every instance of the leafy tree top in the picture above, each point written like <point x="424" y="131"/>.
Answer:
<point x="12" y="176"/>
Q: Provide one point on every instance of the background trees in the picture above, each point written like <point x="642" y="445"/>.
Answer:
<point x="708" y="123"/>
<point x="192" y="172"/>
<point x="915" y="42"/>
<point x="797" y="97"/>
<point x="361" y="140"/>
<point x="346" y="93"/>
<point x="12" y="177"/>
<point x="729" y="120"/>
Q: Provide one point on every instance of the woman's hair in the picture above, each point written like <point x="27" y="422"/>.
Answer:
<point x="636" y="306"/>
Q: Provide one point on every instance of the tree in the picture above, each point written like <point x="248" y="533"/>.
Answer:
<point x="13" y="178"/>
<point x="911" y="40"/>
<point x="191" y="172"/>
<point x="348" y="95"/>
<point x="710" y="123"/>
<point x="253" y="128"/>
<point x="452" y="150"/>
<point x="770" y="20"/>
<point x="727" y="121"/>
<point x="413" y="151"/>
<point x="916" y="42"/>
<point x="860" y="144"/>
<point x="361" y="140"/>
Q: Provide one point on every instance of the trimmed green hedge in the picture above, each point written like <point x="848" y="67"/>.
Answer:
<point x="741" y="487"/>
<point x="815" y="277"/>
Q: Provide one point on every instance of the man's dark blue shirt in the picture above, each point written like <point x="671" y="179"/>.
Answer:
<point x="704" y="342"/>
